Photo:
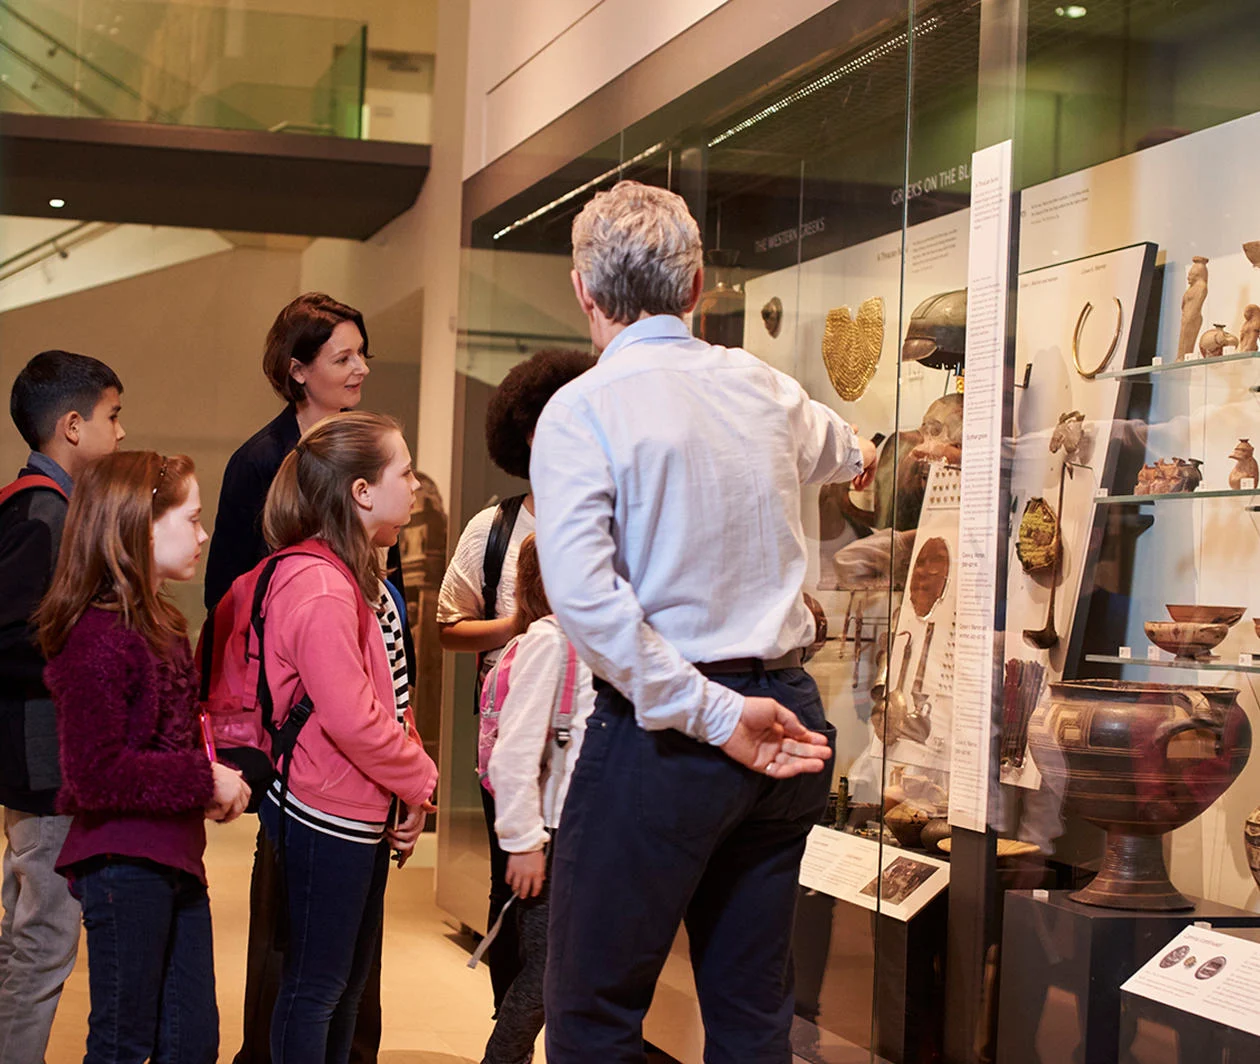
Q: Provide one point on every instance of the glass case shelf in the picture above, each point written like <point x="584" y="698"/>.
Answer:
<point x="1168" y="367"/>
<point x="1112" y="500"/>
<point x="1214" y="665"/>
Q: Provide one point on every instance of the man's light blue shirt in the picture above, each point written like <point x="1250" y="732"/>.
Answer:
<point x="667" y="486"/>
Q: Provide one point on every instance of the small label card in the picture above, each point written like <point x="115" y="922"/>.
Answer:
<point x="880" y="878"/>
<point x="1153" y="654"/>
<point x="1248" y="484"/>
<point x="1207" y="974"/>
<point x="1246" y="660"/>
<point x="1126" y="652"/>
<point x="1157" y="361"/>
<point x="1101" y="493"/>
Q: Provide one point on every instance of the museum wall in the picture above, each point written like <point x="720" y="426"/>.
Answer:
<point x="530" y="61"/>
<point x="102" y="253"/>
<point x="186" y="342"/>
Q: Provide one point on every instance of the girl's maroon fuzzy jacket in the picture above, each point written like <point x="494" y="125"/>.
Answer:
<point x="128" y="723"/>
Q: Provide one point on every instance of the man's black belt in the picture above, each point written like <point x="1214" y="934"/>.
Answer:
<point x="738" y="666"/>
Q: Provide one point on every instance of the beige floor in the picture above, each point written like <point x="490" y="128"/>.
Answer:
<point x="436" y="1011"/>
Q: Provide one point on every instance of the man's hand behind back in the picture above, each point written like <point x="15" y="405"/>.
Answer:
<point x="771" y="739"/>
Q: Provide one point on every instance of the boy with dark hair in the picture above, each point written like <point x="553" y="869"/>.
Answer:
<point x="66" y="407"/>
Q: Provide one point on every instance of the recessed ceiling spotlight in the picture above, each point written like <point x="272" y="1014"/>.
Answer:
<point x="1071" y="11"/>
<point x="56" y="203"/>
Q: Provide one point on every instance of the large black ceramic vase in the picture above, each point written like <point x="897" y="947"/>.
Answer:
<point x="1138" y="760"/>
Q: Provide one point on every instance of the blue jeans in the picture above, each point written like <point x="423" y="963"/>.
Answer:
<point x="658" y="830"/>
<point x="150" y="964"/>
<point x="336" y="899"/>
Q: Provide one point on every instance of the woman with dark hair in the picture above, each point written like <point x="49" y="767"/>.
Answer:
<point x="490" y="544"/>
<point x="316" y="358"/>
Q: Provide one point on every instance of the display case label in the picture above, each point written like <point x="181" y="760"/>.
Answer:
<point x="848" y="867"/>
<point x="988" y="281"/>
<point x="1205" y="973"/>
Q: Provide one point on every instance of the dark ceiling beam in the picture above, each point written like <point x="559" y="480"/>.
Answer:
<point x="205" y="178"/>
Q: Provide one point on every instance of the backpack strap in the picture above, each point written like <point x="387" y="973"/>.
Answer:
<point x="28" y="482"/>
<point x="497" y="543"/>
<point x="499" y="680"/>
<point x="496" y="550"/>
<point x="563" y="721"/>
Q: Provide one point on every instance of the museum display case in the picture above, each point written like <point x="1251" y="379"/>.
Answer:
<point x="1017" y="244"/>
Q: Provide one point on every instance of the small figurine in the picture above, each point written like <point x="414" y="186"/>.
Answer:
<point x="1245" y="466"/>
<point x="1192" y="305"/>
<point x="1249" y="334"/>
<point x="1212" y="343"/>
<point x="1169" y="476"/>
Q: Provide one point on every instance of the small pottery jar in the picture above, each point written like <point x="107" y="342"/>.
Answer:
<point x="1251" y="840"/>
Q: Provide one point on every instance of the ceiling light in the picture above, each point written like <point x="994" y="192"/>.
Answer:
<point x="56" y="203"/>
<point x="852" y="66"/>
<point x="575" y="192"/>
<point x="1071" y="11"/>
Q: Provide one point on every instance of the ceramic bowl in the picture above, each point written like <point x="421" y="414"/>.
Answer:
<point x="906" y="821"/>
<point x="1227" y="615"/>
<point x="1186" y="641"/>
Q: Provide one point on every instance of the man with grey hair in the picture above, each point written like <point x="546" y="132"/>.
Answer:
<point x="667" y="485"/>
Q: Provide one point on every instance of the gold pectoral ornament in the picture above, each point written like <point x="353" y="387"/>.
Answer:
<point x="851" y="348"/>
<point x="1090" y="374"/>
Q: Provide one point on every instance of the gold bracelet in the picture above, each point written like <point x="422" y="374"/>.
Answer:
<point x="1111" y="349"/>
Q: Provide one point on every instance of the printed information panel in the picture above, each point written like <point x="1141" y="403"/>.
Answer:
<point x="987" y="286"/>
<point x="1207" y="974"/>
<point x="848" y="867"/>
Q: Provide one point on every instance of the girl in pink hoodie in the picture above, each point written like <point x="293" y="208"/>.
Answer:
<point x="360" y="780"/>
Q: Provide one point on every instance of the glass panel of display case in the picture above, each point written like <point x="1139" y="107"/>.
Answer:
<point x="1130" y="642"/>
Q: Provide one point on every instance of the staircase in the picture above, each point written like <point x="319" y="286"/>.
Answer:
<point x="172" y="64"/>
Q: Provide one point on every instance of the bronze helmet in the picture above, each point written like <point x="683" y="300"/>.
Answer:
<point x="937" y="335"/>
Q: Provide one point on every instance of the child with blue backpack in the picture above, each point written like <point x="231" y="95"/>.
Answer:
<point x="534" y="707"/>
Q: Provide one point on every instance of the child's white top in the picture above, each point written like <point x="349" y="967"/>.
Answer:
<point x="528" y="769"/>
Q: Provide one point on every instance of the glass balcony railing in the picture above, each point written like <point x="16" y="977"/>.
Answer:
<point x="141" y="61"/>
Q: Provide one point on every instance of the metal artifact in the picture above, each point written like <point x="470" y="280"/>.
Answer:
<point x="772" y="315"/>
<point x="851" y="347"/>
<point x="1089" y="373"/>
<point x="937" y="333"/>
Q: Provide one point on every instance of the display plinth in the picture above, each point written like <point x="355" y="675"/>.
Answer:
<point x="1062" y="967"/>
<point x="1154" y="1033"/>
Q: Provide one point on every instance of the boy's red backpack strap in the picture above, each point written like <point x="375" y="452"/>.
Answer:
<point x="27" y="483"/>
